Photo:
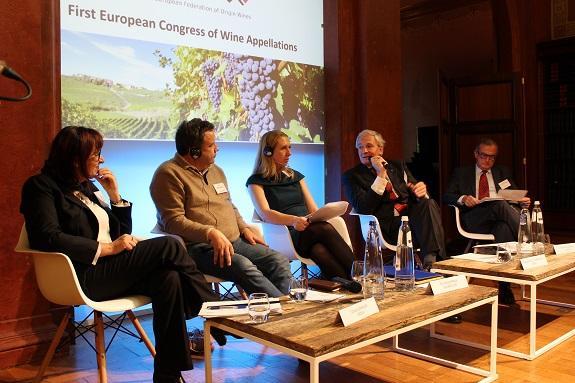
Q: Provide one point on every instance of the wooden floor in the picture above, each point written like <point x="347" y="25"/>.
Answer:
<point x="245" y="361"/>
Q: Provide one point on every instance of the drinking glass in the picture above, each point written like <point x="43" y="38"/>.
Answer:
<point x="357" y="271"/>
<point x="503" y="255"/>
<point x="298" y="289"/>
<point x="258" y="307"/>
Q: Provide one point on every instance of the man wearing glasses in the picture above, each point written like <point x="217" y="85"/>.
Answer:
<point x="469" y="185"/>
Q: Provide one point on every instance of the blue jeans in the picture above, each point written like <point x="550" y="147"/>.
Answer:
<point x="256" y="268"/>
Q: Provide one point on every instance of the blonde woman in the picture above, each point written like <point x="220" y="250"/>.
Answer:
<point x="281" y="196"/>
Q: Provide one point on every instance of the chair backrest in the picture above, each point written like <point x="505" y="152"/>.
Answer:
<point x="158" y="230"/>
<point x="468" y="234"/>
<point x="364" y="220"/>
<point x="55" y="274"/>
<point x="278" y="237"/>
<point x="58" y="283"/>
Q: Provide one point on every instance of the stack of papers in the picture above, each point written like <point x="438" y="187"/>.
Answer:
<point x="486" y="258"/>
<point x="328" y="211"/>
<point x="233" y="308"/>
<point x="319" y="296"/>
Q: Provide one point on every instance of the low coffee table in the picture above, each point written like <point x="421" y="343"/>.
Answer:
<point x="313" y="331"/>
<point x="511" y="272"/>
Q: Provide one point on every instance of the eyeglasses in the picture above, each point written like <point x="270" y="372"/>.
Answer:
<point x="485" y="156"/>
<point x="97" y="155"/>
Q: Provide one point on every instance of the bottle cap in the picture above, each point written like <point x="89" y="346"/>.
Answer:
<point x="404" y="218"/>
<point x="536" y="203"/>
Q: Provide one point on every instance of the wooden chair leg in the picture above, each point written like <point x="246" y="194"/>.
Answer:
<point x="142" y="333"/>
<point x="242" y="292"/>
<point x="55" y="342"/>
<point x="100" y="347"/>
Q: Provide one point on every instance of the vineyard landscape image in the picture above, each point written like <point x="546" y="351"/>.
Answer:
<point x="244" y="96"/>
<point x="133" y="69"/>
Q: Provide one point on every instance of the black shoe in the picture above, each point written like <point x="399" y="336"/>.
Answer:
<point x="168" y="377"/>
<point x="219" y="335"/>
<point x="454" y="319"/>
<point x="506" y="296"/>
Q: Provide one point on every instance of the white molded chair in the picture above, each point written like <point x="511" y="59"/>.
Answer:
<point x="59" y="284"/>
<point x="473" y="237"/>
<point x="279" y="239"/>
<point x="214" y="281"/>
<point x="364" y="220"/>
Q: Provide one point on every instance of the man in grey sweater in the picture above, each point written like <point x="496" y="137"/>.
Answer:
<point x="193" y="201"/>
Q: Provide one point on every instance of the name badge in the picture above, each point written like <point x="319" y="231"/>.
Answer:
<point x="504" y="184"/>
<point x="532" y="262"/>
<point x="445" y="285"/>
<point x="358" y="311"/>
<point x="220" y="188"/>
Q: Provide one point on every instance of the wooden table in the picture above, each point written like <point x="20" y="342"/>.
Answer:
<point x="314" y="332"/>
<point x="512" y="272"/>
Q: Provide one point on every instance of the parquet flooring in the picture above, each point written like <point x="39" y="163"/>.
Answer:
<point x="244" y="361"/>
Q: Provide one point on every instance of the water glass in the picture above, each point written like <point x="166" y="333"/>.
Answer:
<point x="298" y="289"/>
<point x="357" y="271"/>
<point x="258" y="307"/>
<point x="503" y="255"/>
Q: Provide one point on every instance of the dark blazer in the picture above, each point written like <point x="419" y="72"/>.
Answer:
<point x="56" y="220"/>
<point x="357" y="183"/>
<point x="462" y="182"/>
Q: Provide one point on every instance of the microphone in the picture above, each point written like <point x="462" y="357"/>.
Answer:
<point x="352" y="286"/>
<point x="6" y="71"/>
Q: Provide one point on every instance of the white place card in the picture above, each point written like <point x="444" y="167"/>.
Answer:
<point x="445" y="285"/>
<point x="358" y="311"/>
<point x="564" y="248"/>
<point x="535" y="261"/>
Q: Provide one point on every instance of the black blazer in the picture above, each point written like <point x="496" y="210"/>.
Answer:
<point x="357" y="183"/>
<point x="58" y="221"/>
<point x="462" y="182"/>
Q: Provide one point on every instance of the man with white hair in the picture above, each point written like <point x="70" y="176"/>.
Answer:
<point x="388" y="190"/>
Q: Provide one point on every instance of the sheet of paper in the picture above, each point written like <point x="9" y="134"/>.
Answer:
<point x="564" y="248"/>
<point x="233" y="308"/>
<point x="328" y="211"/>
<point x="486" y="258"/>
<point x="511" y="194"/>
<point x="320" y="296"/>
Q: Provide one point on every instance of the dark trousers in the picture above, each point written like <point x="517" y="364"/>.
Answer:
<point x="496" y="217"/>
<point x="426" y="227"/>
<point x="322" y="244"/>
<point x="161" y="269"/>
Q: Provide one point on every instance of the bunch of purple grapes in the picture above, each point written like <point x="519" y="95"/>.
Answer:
<point x="213" y="83"/>
<point x="256" y="88"/>
<point x="233" y="67"/>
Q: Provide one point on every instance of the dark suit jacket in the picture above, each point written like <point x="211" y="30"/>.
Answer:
<point x="357" y="183"/>
<point x="56" y="220"/>
<point x="462" y="182"/>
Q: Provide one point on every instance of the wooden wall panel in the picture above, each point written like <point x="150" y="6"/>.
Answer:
<point x="485" y="102"/>
<point x="30" y="45"/>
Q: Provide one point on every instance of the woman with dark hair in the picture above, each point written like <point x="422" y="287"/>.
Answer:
<point x="281" y="196"/>
<point x="65" y="212"/>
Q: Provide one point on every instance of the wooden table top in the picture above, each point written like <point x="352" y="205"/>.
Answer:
<point x="315" y="329"/>
<point x="556" y="264"/>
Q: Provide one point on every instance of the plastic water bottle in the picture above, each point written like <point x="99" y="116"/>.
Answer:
<point x="404" y="262"/>
<point x="525" y="239"/>
<point x="537" y="229"/>
<point x="374" y="274"/>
